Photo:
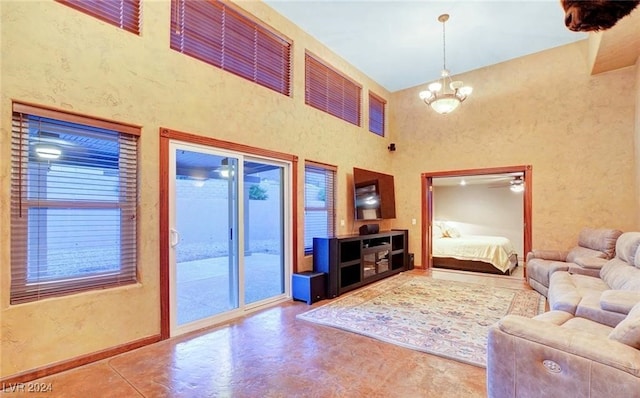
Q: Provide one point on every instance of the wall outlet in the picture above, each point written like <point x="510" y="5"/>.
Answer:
<point x="342" y="223"/>
<point x="413" y="221"/>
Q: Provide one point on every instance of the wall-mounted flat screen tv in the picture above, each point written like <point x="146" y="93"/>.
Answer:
<point x="374" y="195"/>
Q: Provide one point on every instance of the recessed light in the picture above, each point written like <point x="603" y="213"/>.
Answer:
<point x="48" y="151"/>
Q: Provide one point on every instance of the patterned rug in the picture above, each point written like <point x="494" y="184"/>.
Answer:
<point x="445" y="318"/>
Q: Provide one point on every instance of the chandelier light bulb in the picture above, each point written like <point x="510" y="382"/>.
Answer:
<point x="466" y="90"/>
<point x="435" y="87"/>
<point x="425" y="94"/>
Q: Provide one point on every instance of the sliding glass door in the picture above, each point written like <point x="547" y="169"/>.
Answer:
<point x="264" y="275"/>
<point x="227" y="234"/>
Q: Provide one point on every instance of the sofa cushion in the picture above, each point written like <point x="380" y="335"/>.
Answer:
<point x="579" y="251"/>
<point x="566" y="290"/>
<point x="603" y="240"/>
<point x="627" y="246"/>
<point x="590" y="307"/>
<point x="628" y="331"/>
<point x="620" y="275"/>
<point x="590" y="262"/>
<point x="621" y="301"/>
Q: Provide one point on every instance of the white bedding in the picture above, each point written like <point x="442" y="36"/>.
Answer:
<point x="495" y="250"/>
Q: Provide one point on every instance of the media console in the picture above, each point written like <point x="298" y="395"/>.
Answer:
<point x="356" y="260"/>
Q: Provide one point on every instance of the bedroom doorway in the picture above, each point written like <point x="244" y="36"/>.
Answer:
<point x="505" y="191"/>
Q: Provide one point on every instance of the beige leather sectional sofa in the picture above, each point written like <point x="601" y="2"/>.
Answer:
<point x="588" y="345"/>
<point x="594" y="248"/>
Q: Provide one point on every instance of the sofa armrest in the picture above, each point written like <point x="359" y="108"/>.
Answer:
<point x="554" y="255"/>
<point x="586" y="345"/>
<point x="533" y="358"/>
<point x="620" y="301"/>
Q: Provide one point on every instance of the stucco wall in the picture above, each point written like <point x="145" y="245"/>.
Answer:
<point x="576" y="130"/>
<point x="55" y="56"/>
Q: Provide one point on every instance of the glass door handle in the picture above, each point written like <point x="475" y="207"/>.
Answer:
<point x="175" y="237"/>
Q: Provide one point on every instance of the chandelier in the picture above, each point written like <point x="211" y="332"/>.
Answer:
<point x="445" y="95"/>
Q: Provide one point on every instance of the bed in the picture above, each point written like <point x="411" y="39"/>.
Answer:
<point x="489" y="254"/>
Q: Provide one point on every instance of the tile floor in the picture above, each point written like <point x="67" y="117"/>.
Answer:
<point x="272" y="354"/>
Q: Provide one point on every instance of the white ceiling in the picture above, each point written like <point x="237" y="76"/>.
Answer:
<point x="399" y="43"/>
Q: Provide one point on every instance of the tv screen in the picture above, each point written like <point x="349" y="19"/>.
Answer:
<point x="374" y="195"/>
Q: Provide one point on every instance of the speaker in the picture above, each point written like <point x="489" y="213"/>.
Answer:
<point x="369" y="229"/>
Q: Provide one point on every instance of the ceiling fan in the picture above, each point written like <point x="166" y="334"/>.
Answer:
<point x="515" y="183"/>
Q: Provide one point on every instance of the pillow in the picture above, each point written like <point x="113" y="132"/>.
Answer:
<point x="437" y="229"/>
<point x="450" y="232"/>
<point x="628" y="331"/>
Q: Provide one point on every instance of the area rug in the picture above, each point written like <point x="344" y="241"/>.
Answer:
<point x="446" y="318"/>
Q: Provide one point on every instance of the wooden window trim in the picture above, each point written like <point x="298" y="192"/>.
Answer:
<point x="331" y="208"/>
<point x="228" y="38"/>
<point x="377" y="127"/>
<point x="331" y="91"/>
<point x="22" y="289"/>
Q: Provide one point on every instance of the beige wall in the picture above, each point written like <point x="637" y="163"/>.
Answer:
<point x="55" y="56"/>
<point x="576" y="130"/>
<point x="543" y="110"/>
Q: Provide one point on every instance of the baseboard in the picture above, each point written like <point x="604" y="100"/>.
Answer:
<point x="61" y="366"/>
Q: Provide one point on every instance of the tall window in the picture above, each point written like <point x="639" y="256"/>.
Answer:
<point x="328" y="90"/>
<point x="73" y="203"/>
<point x="319" y="203"/>
<point x="376" y="114"/>
<point x="215" y="33"/>
<point x="124" y="14"/>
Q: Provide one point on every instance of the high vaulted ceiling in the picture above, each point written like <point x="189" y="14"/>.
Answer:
<point x="399" y="43"/>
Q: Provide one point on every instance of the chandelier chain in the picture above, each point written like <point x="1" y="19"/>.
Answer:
<point x="444" y="46"/>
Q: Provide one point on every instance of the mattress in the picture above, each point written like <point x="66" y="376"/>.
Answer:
<point x="495" y="250"/>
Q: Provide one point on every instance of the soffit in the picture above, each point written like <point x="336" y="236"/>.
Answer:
<point x="617" y="47"/>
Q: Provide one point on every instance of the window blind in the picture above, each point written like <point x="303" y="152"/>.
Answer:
<point x="215" y="33"/>
<point x="124" y="14"/>
<point x="331" y="92"/>
<point x="73" y="212"/>
<point x="376" y="114"/>
<point x="319" y="203"/>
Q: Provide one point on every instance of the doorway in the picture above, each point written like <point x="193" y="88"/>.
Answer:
<point x="521" y="175"/>
<point x="227" y="249"/>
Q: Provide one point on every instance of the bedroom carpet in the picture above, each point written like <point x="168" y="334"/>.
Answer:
<point x="446" y="318"/>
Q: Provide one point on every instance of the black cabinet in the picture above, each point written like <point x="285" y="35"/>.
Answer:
<point x="356" y="260"/>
